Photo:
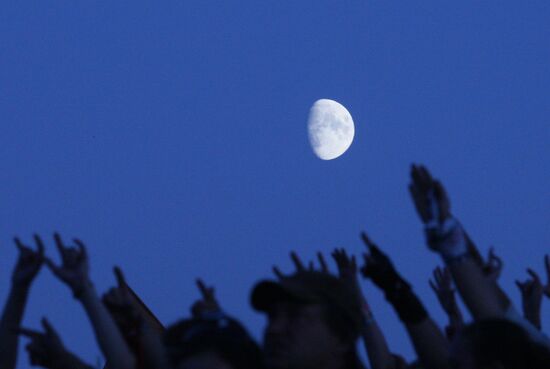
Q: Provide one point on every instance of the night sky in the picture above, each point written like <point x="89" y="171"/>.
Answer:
<point x="171" y="138"/>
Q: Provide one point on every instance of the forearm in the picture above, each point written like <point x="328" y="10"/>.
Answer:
<point x="11" y="319"/>
<point x="108" y="336"/>
<point x="482" y="296"/>
<point x="429" y="343"/>
<point x="375" y="344"/>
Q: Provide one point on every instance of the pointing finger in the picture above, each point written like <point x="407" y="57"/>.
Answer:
<point x="48" y="327"/>
<point x="121" y="281"/>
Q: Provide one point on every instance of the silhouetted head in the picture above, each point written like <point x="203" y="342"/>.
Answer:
<point x="497" y="344"/>
<point x="216" y="342"/>
<point x="313" y="320"/>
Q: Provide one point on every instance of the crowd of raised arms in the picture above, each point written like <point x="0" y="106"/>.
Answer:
<point x="314" y="318"/>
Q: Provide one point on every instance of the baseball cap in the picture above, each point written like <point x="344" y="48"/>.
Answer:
<point x="310" y="287"/>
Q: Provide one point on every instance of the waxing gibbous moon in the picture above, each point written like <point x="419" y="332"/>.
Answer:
<point x="330" y="129"/>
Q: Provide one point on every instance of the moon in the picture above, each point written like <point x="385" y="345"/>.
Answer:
<point x="330" y="129"/>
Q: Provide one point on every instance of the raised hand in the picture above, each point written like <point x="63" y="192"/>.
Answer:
<point x="493" y="266"/>
<point x="347" y="266"/>
<point x="299" y="265"/>
<point x="208" y="303"/>
<point x="45" y="348"/>
<point x="378" y="267"/>
<point x="29" y="262"/>
<point x="429" y="196"/>
<point x="531" y="296"/>
<point x="74" y="268"/>
<point x="121" y="305"/>
<point x="442" y="286"/>
<point x="348" y="272"/>
<point x="443" y="233"/>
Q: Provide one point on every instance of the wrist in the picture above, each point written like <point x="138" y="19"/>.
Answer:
<point x="83" y="291"/>
<point x="447" y="238"/>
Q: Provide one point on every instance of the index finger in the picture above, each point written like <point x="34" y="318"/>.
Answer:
<point x="202" y="288"/>
<point x="366" y="239"/>
<point x="39" y="244"/>
<point x="121" y="281"/>
<point x="48" y="327"/>
<point x="59" y="243"/>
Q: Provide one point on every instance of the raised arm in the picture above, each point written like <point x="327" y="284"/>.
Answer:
<point x="375" y="343"/>
<point x="446" y="236"/>
<point x="428" y="340"/>
<point x="442" y="287"/>
<point x="481" y="293"/>
<point x="27" y="267"/>
<point x="133" y="318"/>
<point x="47" y="350"/>
<point x="74" y="272"/>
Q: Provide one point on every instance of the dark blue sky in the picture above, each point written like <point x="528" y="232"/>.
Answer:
<point x="172" y="139"/>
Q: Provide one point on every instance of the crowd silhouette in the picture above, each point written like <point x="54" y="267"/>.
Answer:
<point x="315" y="318"/>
